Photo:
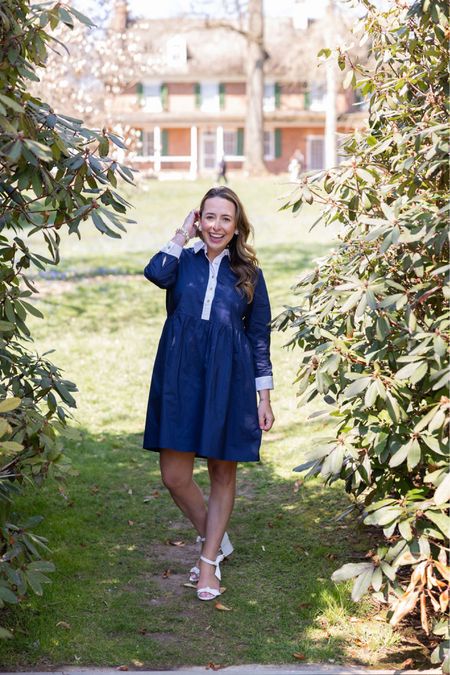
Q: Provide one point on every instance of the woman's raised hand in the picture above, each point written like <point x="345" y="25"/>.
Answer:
<point x="190" y="223"/>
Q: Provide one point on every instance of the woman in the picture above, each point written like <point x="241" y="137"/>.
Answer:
<point x="213" y="350"/>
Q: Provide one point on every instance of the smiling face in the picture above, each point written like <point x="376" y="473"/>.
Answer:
<point x="218" y="221"/>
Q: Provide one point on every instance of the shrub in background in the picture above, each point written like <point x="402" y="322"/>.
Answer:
<point x="372" y="320"/>
<point x="54" y="174"/>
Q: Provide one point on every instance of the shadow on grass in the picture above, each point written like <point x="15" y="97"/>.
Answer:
<point x="122" y="551"/>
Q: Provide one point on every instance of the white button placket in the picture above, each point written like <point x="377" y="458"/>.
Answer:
<point x="211" y="287"/>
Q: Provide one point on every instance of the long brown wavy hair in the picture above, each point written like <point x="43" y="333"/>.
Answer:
<point x="243" y="260"/>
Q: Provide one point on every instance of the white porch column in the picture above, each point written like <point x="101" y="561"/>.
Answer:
<point x="194" y="154"/>
<point x="219" y="144"/>
<point x="157" y="149"/>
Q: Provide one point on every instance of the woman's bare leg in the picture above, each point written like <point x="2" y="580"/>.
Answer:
<point x="220" y="505"/>
<point x="177" y="475"/>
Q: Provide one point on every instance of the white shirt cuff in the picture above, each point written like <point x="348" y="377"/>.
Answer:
<point x="265" y="382"/>
<point x="172" y="248"/>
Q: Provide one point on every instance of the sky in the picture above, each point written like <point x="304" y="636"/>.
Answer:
<point x="156" y="9"/>
<point x="165" y="8"/>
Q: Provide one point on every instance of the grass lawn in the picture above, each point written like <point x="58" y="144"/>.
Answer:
<point x="121" y="547"/>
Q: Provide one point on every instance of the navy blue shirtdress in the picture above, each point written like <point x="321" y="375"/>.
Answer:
<point x="213" y="355"/>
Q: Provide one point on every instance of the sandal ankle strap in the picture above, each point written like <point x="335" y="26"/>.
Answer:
<point x="216" y="564"/>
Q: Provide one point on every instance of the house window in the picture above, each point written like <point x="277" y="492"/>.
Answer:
<point x="151" y="97"/>
<point x="269" y="144"/>
<point x="146" y="146"/>
<point x="318" y="98"/>
<point x="269" y="97"/>
<point x="316" y="152"/>
<point x="230" y="142"/>
<point x="210" y="100"/>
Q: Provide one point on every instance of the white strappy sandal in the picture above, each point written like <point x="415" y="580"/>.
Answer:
<point x="207" y="590"/>
<point x="226" y="548"/>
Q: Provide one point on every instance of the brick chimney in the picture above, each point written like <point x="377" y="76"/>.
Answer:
<point x="119" y="20"/>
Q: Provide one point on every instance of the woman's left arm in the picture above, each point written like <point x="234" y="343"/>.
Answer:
<point x="257" y="325"/>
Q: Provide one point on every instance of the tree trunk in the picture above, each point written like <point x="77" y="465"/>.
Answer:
<point x="254" y="121"/>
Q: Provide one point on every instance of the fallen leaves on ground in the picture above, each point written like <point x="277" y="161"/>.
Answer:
<point x="153" y="495"/>
<point x="409" y="663"/>
<point x="122" y="668"/>
<point x="297" y="485"/>
<point x="63" y="624"/>
<point x="189" y="584"/>
<point x="179" y="542"/>
<point x="299" y="656"/>
<point x="167" y="573"/>
<point x="214" y="666"/>
<point x="222" y="608"/>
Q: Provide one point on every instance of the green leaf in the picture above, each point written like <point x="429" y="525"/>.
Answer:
<point x="407" y="371"/>
<point x="357" y="387"/>
<point x="352" y="301"/>
<point x="377" y="579"/>
<point x="8" y="596"/>
<point x="11" y="103"/>
<point x="371" y="395"/>
<point x="393" y="408"/>
<point x="442" y="494"/>
<point x="350" y="570"/>
<point x="32" y="309"/>
<point x="8" y="404"/>
<point x="361" y="585"/>
<point x="414" y="455"/>
<point x="439" y="519"/>
<point x="400" y="455"/>
<point x="65" y="395"/>
<point x="405" y="530"/>
<point x="348" y="79"/>
<point x="11" y="446"/>
<point x="38" y="149"/>
<point x="383" y="516"/>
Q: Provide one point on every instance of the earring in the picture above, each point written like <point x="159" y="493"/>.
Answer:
<point x="236" y="233"/>
<point x="199" y="227"/>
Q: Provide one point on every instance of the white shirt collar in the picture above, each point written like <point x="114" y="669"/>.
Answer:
<point x="200" y="245"/>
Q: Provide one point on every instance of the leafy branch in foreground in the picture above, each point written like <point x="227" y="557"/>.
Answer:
<point x="372" y="320"/>
<point x="54" y="173"/>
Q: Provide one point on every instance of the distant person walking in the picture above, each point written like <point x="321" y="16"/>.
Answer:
<point x="213" y="359"/>
<point x="296" y="163"/>
<point x="222" y="171"/>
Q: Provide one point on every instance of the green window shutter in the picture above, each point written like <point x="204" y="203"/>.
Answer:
<point x="164" y="142"/>
<point x="222" y="95"/>
<point x="277" y="94"/>
<point x="240" y="142"/>
<point x="164" y="95"/>
<point x="307" y="99"/>
<point x="277" y="133"/>
<point x="140" y="150"/>
<point x="198" y="94"/>
<point x="140" y="92"/>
